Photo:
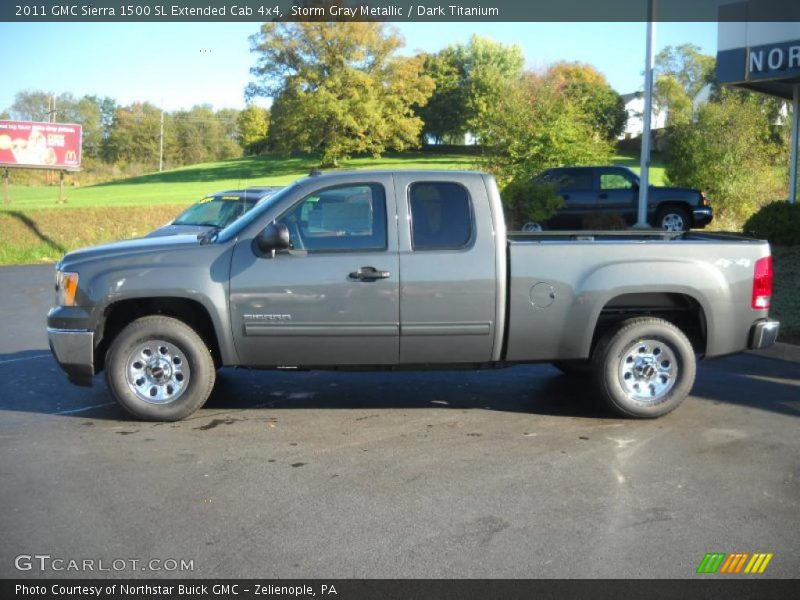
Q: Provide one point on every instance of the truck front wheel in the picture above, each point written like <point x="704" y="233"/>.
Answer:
<point x="159" y="369"/>
<point x="645" y="367"/>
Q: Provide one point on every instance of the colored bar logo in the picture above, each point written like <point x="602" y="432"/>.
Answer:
<point x="734" y="563"/>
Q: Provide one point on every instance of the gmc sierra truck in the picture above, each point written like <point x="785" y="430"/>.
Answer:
<point x="404" y="270"/>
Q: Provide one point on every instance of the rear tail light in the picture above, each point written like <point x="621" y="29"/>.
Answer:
<point x="762" y="284"/>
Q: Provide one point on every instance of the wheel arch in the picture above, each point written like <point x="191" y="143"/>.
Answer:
<point x="680" y="308"/>
<point x="120" y="313"/>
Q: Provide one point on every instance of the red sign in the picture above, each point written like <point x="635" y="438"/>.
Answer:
<point x="40" y="145"/>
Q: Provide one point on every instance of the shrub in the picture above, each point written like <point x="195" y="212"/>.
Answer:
<point x="526" y="199"/>
<point x="778" y="222"/>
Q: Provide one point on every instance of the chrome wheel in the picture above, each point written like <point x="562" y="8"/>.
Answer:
<point x="648" y="370"/>
<point x="157" y="372"/>
<point x="673" y="222"/>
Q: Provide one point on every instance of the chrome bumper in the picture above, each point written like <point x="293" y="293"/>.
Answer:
<point x="74" y="352"/>
<point x="763" y="334"/>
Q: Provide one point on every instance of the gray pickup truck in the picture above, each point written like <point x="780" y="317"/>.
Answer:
<point x="405" y="270"/>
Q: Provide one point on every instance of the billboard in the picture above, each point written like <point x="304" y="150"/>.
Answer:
<point x="31" y="144"/>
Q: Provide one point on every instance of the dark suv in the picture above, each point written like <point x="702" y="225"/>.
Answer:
<point x="596" y="197"/>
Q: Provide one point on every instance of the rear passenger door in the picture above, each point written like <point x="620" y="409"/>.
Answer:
<point x="447" y="270"/>
<point x="576" y="187"/>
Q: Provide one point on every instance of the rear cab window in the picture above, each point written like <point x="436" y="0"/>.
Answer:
<point x="441" y="216"/>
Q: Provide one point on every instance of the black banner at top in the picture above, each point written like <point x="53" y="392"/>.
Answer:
<point x="397" y="10"/>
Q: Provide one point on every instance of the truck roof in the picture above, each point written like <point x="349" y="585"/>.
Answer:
<point x="349" y="175"/>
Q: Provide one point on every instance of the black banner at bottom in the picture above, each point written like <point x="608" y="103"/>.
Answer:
<point x="400" y="589"/>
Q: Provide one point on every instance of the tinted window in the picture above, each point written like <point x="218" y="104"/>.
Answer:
<point x="341" y="218"/>
<point x="441" y="218"/>
<point x="615" y="181"/>
<point x="573" y="179"/>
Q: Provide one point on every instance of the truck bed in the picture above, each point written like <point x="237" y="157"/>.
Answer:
<point x="563" y="283"/>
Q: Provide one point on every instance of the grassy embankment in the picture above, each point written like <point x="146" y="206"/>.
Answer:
<point x="34" y="228"/>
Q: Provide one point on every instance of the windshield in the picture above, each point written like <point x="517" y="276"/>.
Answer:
<point x="239" y="224"/>
<point x="215" y="211"/>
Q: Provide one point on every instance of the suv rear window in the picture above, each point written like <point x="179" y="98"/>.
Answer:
<point x="441" y="216"/>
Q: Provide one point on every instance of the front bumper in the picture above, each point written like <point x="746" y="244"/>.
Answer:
<point x="702" y="216"/>
<point x="74" y="352"/>
<point x="763" y="334"/>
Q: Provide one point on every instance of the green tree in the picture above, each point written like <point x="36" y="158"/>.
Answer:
<point x="534" y="126"/>
<point x="681" y="74"/>
<point x="134" y="135"/>
<point x="338" y="88"/>
<point x="201" y="135"/>
<point x="469" y="81"/>
<point x="589" y="90"/>
<point x="730" y="153"/>
<point x="252" y="125"/>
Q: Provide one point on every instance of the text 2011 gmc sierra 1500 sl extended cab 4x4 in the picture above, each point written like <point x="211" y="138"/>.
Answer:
<point x="405" y="269"/>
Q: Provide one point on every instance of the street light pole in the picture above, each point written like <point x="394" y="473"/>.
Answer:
<point x="161" y="143"/>
<point x="795" y="142"/>
<point x="644" y="177"/>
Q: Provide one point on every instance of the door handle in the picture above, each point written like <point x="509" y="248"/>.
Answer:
<point x="369" y="274"/>
<point x="603" y="196"/>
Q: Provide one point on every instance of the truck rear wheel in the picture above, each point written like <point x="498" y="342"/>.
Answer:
<point x="644" y="368"/>
<point x="159" y="369"/>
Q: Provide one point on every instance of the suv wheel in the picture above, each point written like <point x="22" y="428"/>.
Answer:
<point x="673" y="219"/>
<point x="159" y="369"/>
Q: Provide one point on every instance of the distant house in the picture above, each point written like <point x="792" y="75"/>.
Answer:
<point x="634" y="106"/>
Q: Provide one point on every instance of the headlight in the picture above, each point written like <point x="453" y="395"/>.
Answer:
<point x="66" y="288"/>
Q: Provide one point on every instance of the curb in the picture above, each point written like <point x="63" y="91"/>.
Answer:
<point x="781" y="351"/>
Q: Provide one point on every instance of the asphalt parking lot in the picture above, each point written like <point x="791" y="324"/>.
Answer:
<point x="509" y="473"/>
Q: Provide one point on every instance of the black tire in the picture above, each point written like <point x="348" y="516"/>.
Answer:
<point x="191" y="355"/>
<point x="644" y="368"/>
<point x="673" y="218"/>
<point x="574" y="367"/>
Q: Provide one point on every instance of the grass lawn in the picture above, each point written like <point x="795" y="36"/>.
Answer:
<point x="188" y="184"/>
<point x="657" y="176"/>
<point x="34" y="228"/>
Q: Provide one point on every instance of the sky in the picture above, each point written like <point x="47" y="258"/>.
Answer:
<point x="178" y="65"/>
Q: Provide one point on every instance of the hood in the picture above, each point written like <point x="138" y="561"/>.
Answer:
<point x="135" y="246"/>
<point x="178" y="230"/>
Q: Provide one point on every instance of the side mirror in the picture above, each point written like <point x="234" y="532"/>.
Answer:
<point x="274" y="236"/>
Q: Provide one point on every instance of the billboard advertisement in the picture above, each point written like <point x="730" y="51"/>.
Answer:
<point x="35" y="145"/>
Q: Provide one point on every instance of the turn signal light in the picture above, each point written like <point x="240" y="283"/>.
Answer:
<point x="66" y="288"/>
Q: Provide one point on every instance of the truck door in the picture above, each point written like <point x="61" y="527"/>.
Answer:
<point x="333" y="298"/>
<point x="447" y="269"/>
<point x="618" y="195"/>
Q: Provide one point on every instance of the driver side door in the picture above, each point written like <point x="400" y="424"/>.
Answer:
<point x="332" y="299"/>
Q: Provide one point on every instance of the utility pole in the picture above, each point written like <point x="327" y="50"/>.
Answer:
<point x="795" y="142"/>
<point x="644" y="177"/>
<point x="161" y="143"/>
